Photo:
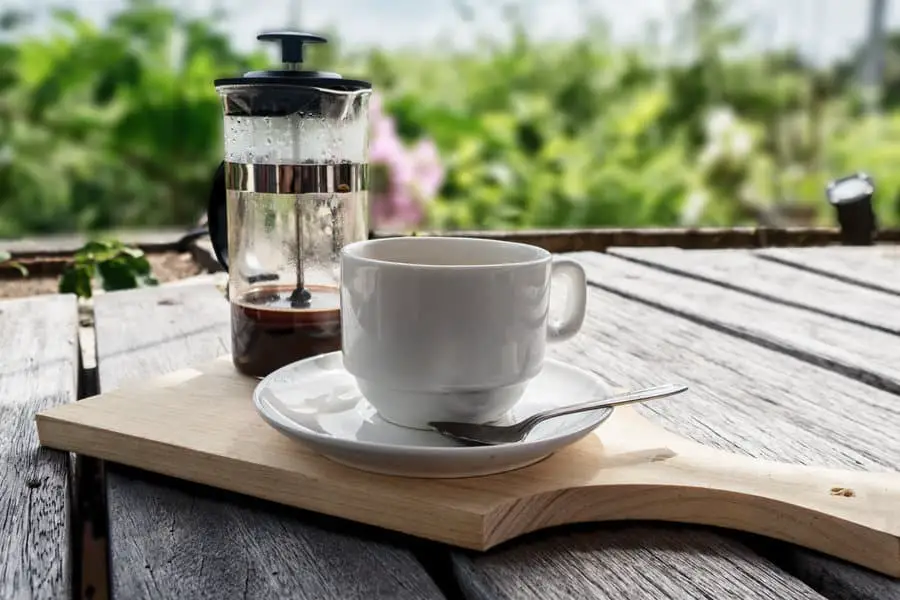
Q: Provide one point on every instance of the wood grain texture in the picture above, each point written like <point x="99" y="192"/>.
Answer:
<point x="710" y="558"/>
<point x="744" y="397"/>
<point x="748" y="575"/>
<point x="617" y="561"/>
<point x="635" y="470"/>
<point x="876" y="267"/>
<point x="744" y="271"/>
<point x="860" y="352"/>
<point x="410" y="506"/>
<point x="39" y="370"/>
<point x="844" y="582"/>
<point x="172" y="541"/>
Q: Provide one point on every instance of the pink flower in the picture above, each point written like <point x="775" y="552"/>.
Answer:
<point x="376" y="106"/>
<point x="398" y="210"/>
<point x="428" y="172"/>
<point x="384" y="143"/>
<point x="408" y="178"/>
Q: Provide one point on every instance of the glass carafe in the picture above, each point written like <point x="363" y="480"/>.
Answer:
<point x="291" y="192"/>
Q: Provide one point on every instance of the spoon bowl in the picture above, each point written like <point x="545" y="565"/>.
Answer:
<point x="492" y="435"/>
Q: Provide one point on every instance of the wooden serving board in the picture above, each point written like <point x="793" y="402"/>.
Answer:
<point x="199" y="424"/>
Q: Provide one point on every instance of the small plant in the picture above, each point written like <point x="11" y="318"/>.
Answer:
<point x="6" y="260"/>
<point x="117" y="266"/>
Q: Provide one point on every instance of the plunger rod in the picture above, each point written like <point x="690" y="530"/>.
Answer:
<point x="300" y="296"/>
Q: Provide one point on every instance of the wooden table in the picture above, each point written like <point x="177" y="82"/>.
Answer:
<point x="790" y="354"/>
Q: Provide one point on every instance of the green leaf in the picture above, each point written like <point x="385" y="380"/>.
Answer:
<point x="6" y="259"/>
<point x="132" y="252"/>
<point x="117" y="274"/>
<point x="138" y="263"/>
<point x="76" y="280"/>
<point x="96" y="251"/>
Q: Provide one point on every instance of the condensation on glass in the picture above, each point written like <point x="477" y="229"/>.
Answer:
<point x="295" y="193"/>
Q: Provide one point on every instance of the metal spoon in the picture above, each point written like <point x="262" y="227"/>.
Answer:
<point x="490" y="435"/>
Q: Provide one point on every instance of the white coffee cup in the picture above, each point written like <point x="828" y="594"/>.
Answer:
<point x="450" y="328"/>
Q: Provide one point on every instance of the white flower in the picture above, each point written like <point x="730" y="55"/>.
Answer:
<point x="720" y="122"/>
<point x="710" y="153"/>
<point x="740" y="143"/>
<point x="726" y="138"/>
<point x="693" y="207"/>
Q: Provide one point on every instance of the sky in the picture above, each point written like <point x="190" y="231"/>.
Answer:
<point x="821" y="29"/>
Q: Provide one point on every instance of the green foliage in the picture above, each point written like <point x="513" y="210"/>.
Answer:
<point x="111" y="127"/>
<point x="586" y="150"/>
<point x="118" y="267"/>
<point x="6" y="260"/>
<point x="121" y="126"/>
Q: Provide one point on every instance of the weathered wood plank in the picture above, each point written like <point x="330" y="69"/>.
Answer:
<point x="743" y="397"/>
<point x="172" y="540"/>
<point x="744" y="271"/>
<point x="847" y="582"/>
<point x="39" y="370"/>
<point x="70" y="242"/>
<point x="876" y="267"/>
<point x="861" y="352"/>
<point x="507" y="574"/>
<point x="615" y="561"/>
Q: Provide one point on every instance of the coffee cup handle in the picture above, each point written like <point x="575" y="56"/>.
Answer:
<point x="569" y="323"/>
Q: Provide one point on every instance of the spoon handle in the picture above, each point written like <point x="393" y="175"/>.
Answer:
<point x="643" y="395"/>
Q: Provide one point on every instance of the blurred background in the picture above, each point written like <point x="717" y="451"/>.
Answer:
<point x="510" y="115"/>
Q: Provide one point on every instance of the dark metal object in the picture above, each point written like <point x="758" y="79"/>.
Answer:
<point x="851" y="197"/>
<point x="300" y="297"/>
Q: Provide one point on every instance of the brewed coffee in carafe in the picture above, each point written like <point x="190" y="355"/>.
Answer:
<point x="293" y="190"/>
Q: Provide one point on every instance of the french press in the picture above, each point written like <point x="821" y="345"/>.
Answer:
<point x="291" y="192"/>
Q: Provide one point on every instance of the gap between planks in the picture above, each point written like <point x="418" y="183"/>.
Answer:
<point x="91" y="579"/>
<point x="869" y="378"/>
<point x="836" y="276"/>
<point x="660" y="562"/>
<point x="695" y="274"/>
<point x="874" y="377"/>
<point x="436" y="565"/>
<point x="836" y="270"/>
<point x="431" y="561"/>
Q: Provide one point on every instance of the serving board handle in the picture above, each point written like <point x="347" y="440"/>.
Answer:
<point x="645" y="472"/>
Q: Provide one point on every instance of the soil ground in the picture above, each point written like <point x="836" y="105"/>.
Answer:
<point x="167" y="266"/>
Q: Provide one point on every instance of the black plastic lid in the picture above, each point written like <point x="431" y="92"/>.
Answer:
<point x="292" y="47"/>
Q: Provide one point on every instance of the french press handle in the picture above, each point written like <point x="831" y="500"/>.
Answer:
<point x="217" y="225"/>
<point x="217" y="216"/>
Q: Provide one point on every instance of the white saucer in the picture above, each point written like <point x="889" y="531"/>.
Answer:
<point x="317" y="401"/>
